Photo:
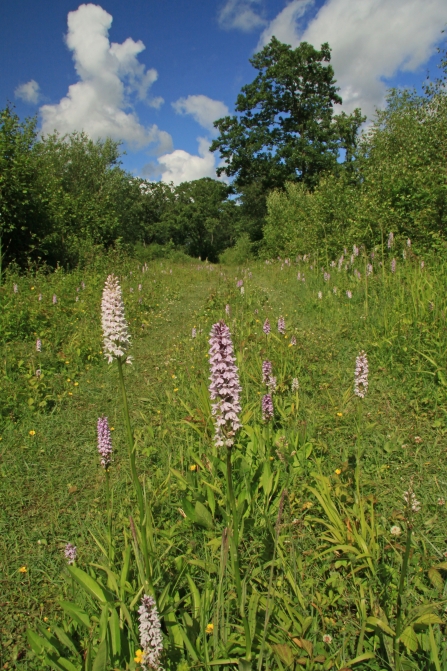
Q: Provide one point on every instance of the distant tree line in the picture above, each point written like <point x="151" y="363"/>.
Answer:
<point x="62" y="197"/>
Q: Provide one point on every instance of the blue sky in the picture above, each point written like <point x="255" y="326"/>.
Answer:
<point x="156" y="74"/>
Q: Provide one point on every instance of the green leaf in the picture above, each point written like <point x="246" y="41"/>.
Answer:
<point x="203" y="516"/>
<point x="115" y="633"/>
<point x="223" y="662"/>
<point x="434" y="650"/>
<point x="100" y="663"/>
<point x="76" y="613"/>
<point x="284" y="653"/>
<point x="196" y="600"/>
<point x="361" y="658"/>
<point x="90" y="585"/>
<point x="189" y="646"/>
<point x="61" y="664"/>
<point x="37" y="643"/>
<point x="376" y="622"/>
<point x="266" y="478"/>
<point x="253" y="611"/>
<point x="436" y="579"/>
<point x="428" y="618"/>
<point x="244" y="665"/>
<point x="65" y="640"/>
<point x="409" y="639"/>
<point x="188" y="509"/>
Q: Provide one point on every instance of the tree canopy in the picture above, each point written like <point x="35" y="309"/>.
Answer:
<point x="286" y="130"/>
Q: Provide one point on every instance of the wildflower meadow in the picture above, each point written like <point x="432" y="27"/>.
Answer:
<point x="225" y="467"/>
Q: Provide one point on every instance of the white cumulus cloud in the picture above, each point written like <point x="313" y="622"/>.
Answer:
<point x="241" y="15"/>
<point x="110" y="78"/>
<point x="180" y="166"/>
<point x="29" y="92"/>
<point x="369" y="39"/>
<point x="204" y="110"/>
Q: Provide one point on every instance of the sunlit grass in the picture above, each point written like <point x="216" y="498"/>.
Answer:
<point x="324" y="444"/>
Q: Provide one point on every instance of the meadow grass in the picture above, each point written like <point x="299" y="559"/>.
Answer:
<point x="327" y="474"/>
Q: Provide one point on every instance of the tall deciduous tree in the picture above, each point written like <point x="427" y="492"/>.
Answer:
<point x="286" y="130"/>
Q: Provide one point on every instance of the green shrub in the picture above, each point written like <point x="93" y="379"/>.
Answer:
<point x="240" y="253"/>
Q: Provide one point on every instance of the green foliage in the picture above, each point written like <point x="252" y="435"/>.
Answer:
<point x="286" y="130"/>
<point x="239" y="254"/>
<point x="21" y="212"/>
<point x="397" y="184"/>
<point x="316" y="492"/>
<point x="89" y="199"/>
<point x="200" y="219"/>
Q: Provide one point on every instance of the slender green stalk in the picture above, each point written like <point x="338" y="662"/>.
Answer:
<point x="399" y="609"/>
<point x="234" y="546"/>
<point x="109" y="517"/>
<point x="366" y="285"/>
<point x="135" y="479"/>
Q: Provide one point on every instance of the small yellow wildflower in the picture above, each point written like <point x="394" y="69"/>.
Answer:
<point x="32" y="432"/>
<point x="209" y="628"/>
<point x="173" y="376"/>
<point x="32" y="288"/>
<point x="193" y="467"/>
<point x="70" y="393"/>
<point x="338" y="471"/>
<point x="112" y="428"/>
<point x="139" y="654"/>
<point x="45" y="619"/>
<point x="68" y="379"/>
<point x="339" y="414"/>
<point x="67" y="362"/>
<point x="23" y="569"/>
<point x="307" y="505"/>
<point x="176" y="389"/>
<point x="76" y="384"/>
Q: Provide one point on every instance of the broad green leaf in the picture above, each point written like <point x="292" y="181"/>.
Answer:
<point x="436" y="579"/>
<point x="125" y="569"/>
<point x="76" y="613"/>
<point x="100" y="661"/>
<point x="428" y="618"/>
<point x="203" y="516"/>
<point x="65" y="639"/>
<point x="196" y="600"/>
<point x="189" y="646"/>
<point x="37" y="643"/>
<point x="89" y="584"/>
<point x="409" y="639"/>
<point x="115" y="633"/>
<point x="223" y="662"/>
<point x="103" y="622"/>
<point x="434" y="650"/>
<point x="174" y="629"/>
<point x="61" y="664"/>
<point x="361" y="658"/>
<point x="284" y="653"/>
<point x="376" y="622"/>
<point x="252" y="612"/>
<point x="266" y="478"/>
<point x="188" y="509"/>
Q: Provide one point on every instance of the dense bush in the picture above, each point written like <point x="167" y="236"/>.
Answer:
<point x="399" y="185"/>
